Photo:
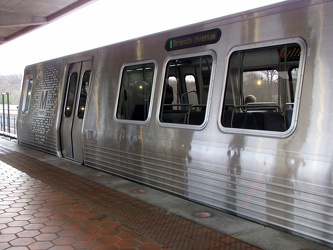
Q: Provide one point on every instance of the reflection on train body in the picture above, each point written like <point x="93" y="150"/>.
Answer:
<point x="233" y="113"/>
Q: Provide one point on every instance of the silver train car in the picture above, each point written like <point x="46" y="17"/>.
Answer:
<point x="233" y="113"/>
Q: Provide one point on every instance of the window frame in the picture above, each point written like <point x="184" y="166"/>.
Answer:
<point x="297" y="95"/>
<point x="29" y="83"/>
<point x="209" y="96"/>
<point x="129" y="121"/>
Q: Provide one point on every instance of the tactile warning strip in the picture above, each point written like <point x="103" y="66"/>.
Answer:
<point x="165" y="228"/>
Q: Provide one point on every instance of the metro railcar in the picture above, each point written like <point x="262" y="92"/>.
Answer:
<point x="233" y="113"/>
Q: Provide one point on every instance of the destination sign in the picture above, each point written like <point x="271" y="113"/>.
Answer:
<point x="193" y="40"/>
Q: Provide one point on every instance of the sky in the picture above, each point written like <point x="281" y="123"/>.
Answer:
<point x="107" y="21"/>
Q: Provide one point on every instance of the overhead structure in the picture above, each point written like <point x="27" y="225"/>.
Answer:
<point x="18" y="17"/>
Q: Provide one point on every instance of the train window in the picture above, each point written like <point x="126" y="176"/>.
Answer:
<point x="260" y="89"/>
<point x="185" y="91"/>
<point x="71" y="94"/>
<point x="26" y="103"/>
<point x="135" y="92"/>
<point x="83" y="94"/>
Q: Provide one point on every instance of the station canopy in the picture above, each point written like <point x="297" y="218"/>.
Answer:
<point x="18" y="17"/>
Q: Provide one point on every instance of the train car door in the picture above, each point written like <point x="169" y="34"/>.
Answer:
<point x="74" y="108"/>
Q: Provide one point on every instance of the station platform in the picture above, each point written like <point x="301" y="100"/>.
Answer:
<point x="48" y="202"/>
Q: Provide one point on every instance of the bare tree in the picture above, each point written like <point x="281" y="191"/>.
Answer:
<point x="12" y="84"/>
<point x="262" y="84"/>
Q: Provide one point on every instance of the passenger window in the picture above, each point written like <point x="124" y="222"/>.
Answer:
<point x="83" y="94"/>
<point x="27" y="97"/>
<point x="260" y="88"/>
<point x="71" y="94"/>
<point x="185" y="90"/>
<point x="135" y="92"/>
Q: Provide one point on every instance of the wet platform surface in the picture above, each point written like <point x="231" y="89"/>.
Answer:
<point x="51" y="203"/>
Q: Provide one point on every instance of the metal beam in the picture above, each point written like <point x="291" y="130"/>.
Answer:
<point x="9" y="20"/>
<point x="70" y="8"/>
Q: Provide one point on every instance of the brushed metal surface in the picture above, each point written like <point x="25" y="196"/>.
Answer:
<point x="282" y="180"/>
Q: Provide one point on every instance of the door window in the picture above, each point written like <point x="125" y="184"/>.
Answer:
<point x="71" y="94"/>
<point x="83" y="94"/>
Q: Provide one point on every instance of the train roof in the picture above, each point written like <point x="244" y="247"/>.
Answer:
<point x="190" y="29"/>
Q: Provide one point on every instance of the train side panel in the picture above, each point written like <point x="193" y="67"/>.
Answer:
<point x="40" y="104"/>
<point x="274" y="178"/>
<point x="53" y="103"/>
<point x="189" y="144"/>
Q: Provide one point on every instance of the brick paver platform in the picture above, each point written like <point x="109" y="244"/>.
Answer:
<point x="44" y="207"/>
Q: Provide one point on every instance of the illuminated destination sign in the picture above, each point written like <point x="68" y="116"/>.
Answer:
<point x="193" y="40"/>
